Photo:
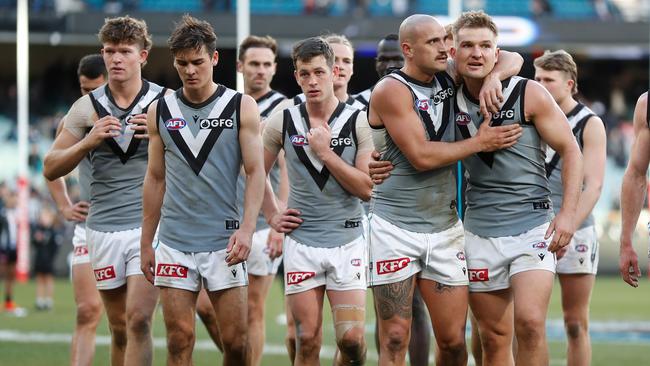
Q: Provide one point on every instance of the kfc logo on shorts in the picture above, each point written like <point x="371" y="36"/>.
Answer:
<point x="422" y="104"/>
<point x="460" y="256"/>
<point x="540" y="245"/>
<point x="171" y="270"/>
<point x="463" y="119"/>
<point x="356" y="262"/>
<point x="582" y="248"/>
<point x="103" y="274"/>
<point x="294" y="278"/>
<point x="81" y="250"/>
<point x="392" y="265"/>
<point x="478" y="275"/>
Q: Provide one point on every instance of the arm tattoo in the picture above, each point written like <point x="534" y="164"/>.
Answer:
<point x="394" y="299"/>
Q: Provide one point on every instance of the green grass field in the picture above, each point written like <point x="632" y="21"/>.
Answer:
<point x="613" y="301"/>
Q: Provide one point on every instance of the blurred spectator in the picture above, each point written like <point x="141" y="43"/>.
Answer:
<point x="46" y="239"/>
<point x="8" y="239"/>
<point x="34" y="159"/>
<point x="220" y="5"/>
<point x="606" y="10"/>
<point x="541" y="8"/>
<point x="317" y="7"/>
<point x="120" y="6"/>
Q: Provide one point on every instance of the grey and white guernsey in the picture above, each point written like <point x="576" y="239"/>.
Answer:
<point x="202" y="162"/>
<point x="352" y="101"/>
<point x="265" y="104"/>
<point x="577" y="118"/>
<point x="119" y="164"/>
<point x="418" y="201"/>
<point x="507" y="190"/>
<point x="331" y="215"/>
<point x="364" y="97"/>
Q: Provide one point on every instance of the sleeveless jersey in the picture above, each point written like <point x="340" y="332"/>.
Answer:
<point x="331" y="215"/>
<point x="265" y="104"/>
<point x="417" y="201"/>
<point x="577" y="118"/>
<point x="352" y="101"/>
<point x="507" y="191"/>
<point x="119" y="164"/>
<point x="202" y="162"/>
<point x="364" y="97"/>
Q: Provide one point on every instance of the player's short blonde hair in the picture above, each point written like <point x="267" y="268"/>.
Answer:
<point x="559" y="60"/>
<point x="338" y="39"/>
<point x="125" y="30"/>
<point x="474" y="19"/>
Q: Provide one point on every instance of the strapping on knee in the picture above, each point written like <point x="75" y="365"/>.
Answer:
<point x="347" y="317"/>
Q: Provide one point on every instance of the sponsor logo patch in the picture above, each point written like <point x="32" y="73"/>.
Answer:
<point x="103" y="274"/>
<point x="463" y="119"/>
<point x="210" y="123"/>
<point x="340" y="141"/>
<point x="507" y="114"/>
<point x="540" y="245"/>
<point x="171" y="270"/>
<point x="81" y="250"/>
<point x="356" y="262"/>
<point x="582" y="248"/>
<point x="542" y="205"/>
<point x="422" y="104"/>
<point x="294" y="278"/>
<point x="298" y="140"/>
<point x="478" y="275"/>
<point x="349" y="224"/>
<point x="175" y="124"/>
<point x="392" y="265"/>
<point x="541" y="256"/>
<point x="460" y="256"/>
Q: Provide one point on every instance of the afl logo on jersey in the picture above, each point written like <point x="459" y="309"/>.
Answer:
<point x="422" y="104"/>
<point x="463" y="119"/>
<point x="298" y="140"/>
<point x="175" y="124"/>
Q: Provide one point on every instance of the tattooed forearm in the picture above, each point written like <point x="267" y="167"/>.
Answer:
<point x="394" y="299"/>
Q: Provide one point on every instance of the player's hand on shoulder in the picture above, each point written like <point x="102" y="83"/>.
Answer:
<point x="138" y="123"/>
<point x="239" y="246"/>
<point x="105" y="127"/>
<point x="319" y="139"/>
<point x="379" y="170"/>
<point x="76" y="212"/>
<point x="286" y="221"/>
<point x="499" y="137"/>
<point x="274" y="243"/>
<point x="491" y="95"/>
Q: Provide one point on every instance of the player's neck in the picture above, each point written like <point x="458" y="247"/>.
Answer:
<point x="417" y="74"/>
<point x="257" y="94"/>
<point x="567" y="104"/>
<point x="342" y="93"/>
<point x="473" y="86"/>
<point x="199" y="95"/>
<point x="124" y="92"/>
<point x="320" y="112"/>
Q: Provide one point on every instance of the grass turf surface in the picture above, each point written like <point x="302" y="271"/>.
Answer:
<point x="612" y="300"/>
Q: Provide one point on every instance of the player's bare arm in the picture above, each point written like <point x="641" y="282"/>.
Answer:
<point x="282" y="220"/>
<point x="250" y="142"/>
<point x="551" y="123"/>
<point x="69" y="148"/>
<point x="153" y="191"/>
<point x="491" y="94"/>
<point x="387" y="108"/>
<point x="594" y="156"/>
<point x="634" y="187"/>
<point x="353" y="179"/>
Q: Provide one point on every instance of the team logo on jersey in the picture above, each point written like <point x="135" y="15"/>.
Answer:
<point x="341" y="141"/>
<point x="582" y="248"/>
<point x="463" y="119"/>
<point x="422" y="104"/>
<point x="460" y="256"/>
<point x="479" y="275"/>
<point x="175" y="124"/>
<point x="298" y="140"/>
<point x="540" y="245"/>
<point x="294" y="278"/>
<point x="442" y="95"/>
<point x="507" y="114"/>
<point x="392" y="265"/>
<point x="211" y="123"/>
<point x="356" y="262"/>
<point x="103" y="274"/>
<point x="171" y="270"/>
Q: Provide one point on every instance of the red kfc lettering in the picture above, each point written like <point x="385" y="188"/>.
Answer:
<point x="294" y="278"/>
<point x="478" y="275"/>
<point x="171" y="270"/>
<point x="392" y="265"/>
<point x="103" y="274"/>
